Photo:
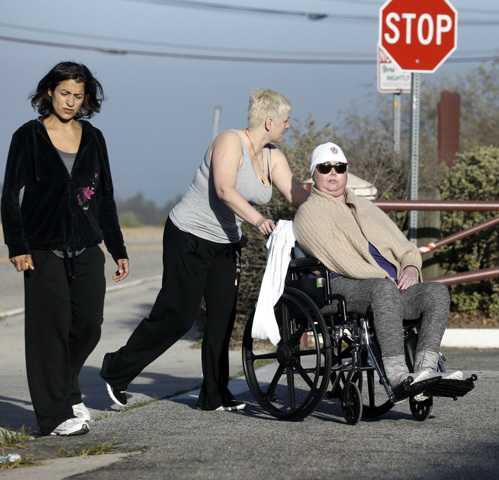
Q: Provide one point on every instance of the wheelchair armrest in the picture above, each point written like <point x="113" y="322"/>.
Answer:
<point x="304" y="262"/>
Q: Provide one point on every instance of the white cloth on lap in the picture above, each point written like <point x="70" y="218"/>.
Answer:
<point x="279" y="246"/>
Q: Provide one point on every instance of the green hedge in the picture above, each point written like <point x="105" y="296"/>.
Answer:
<point x="474" y="177"/>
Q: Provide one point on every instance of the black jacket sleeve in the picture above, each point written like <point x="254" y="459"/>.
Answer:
<point x="12" y="220"/>
<point x="108" y="219"/>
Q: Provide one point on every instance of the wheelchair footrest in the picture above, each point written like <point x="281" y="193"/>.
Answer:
<point x="408" y="389"/>
<point x="451" y="388"/>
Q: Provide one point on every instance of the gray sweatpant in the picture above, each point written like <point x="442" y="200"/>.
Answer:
<point x="390" y="307"/>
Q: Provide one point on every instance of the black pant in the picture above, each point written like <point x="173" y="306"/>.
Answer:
<point x="63" y="326"/>
<point x="193" y="268"/>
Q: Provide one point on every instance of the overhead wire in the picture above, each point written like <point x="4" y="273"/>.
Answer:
<point x="180" y="46"/>
<point x="309" y="15"/>
<point x="203" y="48"/>
<point x="225" y="58"/>
<point x="379" y="3"/>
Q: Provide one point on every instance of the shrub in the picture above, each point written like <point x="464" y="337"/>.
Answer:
<point x="474" y="177"/>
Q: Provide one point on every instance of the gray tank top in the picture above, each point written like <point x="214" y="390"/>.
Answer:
<point x="68" y="159"/>
<point x="200" y="211"/>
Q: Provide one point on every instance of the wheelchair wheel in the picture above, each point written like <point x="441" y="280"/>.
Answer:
<point x="290" y="379"/>
<point x="370" y="390"/>
<point x="421" y="410"/>
<point x="351" y="403"/>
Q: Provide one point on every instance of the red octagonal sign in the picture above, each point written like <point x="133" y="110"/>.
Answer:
<point x="418" y="35"/>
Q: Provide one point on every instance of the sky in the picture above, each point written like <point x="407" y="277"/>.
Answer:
<point x="157" y="116"/>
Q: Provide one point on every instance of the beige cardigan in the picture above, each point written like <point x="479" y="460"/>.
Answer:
<point x="338" y="234"/>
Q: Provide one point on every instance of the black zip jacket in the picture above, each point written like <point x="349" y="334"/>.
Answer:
<point x="59" y="211"/>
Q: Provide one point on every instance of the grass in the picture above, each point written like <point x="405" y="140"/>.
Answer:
<point x="10" y="440"/>
<point x="14" y="439"/>
<point x="99" y="449"/>
<point x="139" y="404"/>
<point x="25" y="461"/>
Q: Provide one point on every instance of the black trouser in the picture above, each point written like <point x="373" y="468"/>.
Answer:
<point x="193" y="268"/>
<point x="63" y="326"/>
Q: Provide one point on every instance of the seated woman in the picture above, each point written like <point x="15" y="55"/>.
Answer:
<point x="373" y="265"/>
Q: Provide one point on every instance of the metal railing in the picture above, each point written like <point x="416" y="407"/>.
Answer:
<point x="443" y="205"/>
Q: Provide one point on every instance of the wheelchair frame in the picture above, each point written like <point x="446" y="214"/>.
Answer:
<point x="342" y="349"/>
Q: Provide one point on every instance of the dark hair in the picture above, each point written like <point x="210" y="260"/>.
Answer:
<point x="94" y="93"/>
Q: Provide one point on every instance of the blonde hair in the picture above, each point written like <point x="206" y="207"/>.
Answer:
<point x="266" y="103"/>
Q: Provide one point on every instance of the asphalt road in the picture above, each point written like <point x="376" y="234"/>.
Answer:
<point x="144" y="249"/>
<point x="176" y="441"/>
<point x="170" y="439"/>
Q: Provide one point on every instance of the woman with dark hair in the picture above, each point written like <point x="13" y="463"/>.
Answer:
<point x="57" y="206"/>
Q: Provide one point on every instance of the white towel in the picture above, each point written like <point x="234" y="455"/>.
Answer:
<point x="279" y="246"/>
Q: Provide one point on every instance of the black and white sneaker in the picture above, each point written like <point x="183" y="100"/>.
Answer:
<point x="70" y="427"/>
<point x="231" y="406"/>
<point x="117" y="396"/>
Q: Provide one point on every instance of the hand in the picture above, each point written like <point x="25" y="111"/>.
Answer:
<point x="265" y="226"/>
<point x="408" y="278"/>
<point x="22" y="263"/>
<point x="122" y="271"/>
<point x="307" y="186"/>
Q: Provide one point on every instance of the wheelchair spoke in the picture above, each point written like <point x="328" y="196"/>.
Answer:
<point x="264" y="356"/>
<point x="291" y="388"/>
<point x="305" y="377"/>
<point x="275" y="380"/>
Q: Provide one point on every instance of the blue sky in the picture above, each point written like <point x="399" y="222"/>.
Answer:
<point x="158" y="111"/>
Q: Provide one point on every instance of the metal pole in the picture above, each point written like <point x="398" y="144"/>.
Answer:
<point x="441" y="205"/>
<point x="396" y="122"/>
<point x="414" y="156"/>
<point x="217" y="112"/>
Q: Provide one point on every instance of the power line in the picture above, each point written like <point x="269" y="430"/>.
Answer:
<point x="235" y="8"/>
<point x="194" y="4"/>
<point x="203" y="48"/>
<point x="227" y="58"/>
<point x="180" y="46"/>
<point x="379" y="3"/>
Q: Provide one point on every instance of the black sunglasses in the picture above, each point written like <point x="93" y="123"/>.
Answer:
<point x="325" y="168"/>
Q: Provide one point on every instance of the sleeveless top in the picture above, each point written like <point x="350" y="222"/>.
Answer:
<point x="200" y="211"/>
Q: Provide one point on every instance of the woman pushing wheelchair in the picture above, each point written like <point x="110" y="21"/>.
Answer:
<point x="372" y="265"/>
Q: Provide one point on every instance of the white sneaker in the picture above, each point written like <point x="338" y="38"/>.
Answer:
<point x="71" y="426"/>
<point x="426" y="373"/>
<point x="455" y="375"/>
<point x="80" y="410"/>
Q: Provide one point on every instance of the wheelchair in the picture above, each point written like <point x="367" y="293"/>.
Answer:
<point x="325" y="345"/>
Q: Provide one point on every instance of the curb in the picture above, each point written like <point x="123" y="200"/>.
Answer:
<point x="471" y="338"/>
<point x="19" y="311"/>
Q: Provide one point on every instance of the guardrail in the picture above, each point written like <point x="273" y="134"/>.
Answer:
<point x="443" y="205"/>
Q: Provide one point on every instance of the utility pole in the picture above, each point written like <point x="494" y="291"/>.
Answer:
<point x="217" y="113"/>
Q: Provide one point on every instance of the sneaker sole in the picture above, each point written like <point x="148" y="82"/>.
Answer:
<point x="231" y="409"/>
<point x="84" y="429"/>
<point x="113" y="398"/>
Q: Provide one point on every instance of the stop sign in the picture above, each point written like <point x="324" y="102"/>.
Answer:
<point x="418" y="35"/>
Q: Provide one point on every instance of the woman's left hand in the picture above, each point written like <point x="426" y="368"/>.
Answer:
<point x="122" y="271"/>
<point x="408" y="278"/>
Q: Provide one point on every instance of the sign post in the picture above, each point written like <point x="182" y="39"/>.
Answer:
<point x="418" y="36"/>
<point x="392" y="79"/>
<point x="414" y="171"/>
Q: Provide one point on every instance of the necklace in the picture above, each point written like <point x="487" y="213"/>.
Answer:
<point x="261" y="174"/>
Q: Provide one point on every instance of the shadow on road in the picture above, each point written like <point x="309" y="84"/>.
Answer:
<point x="16" y="413"/>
